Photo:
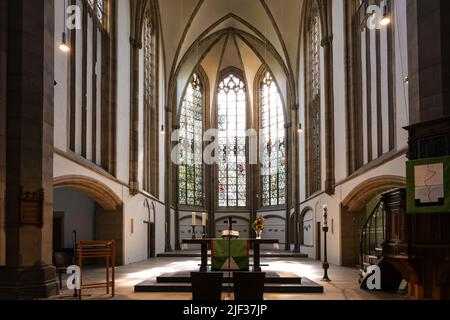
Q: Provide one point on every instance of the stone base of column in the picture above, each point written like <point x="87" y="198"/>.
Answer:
<point x="28" y="283"/>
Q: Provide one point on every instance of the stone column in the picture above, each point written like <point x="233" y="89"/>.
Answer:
<point x="296" y="177"/>
<point x="3" y="48"/>
<point x="28" y="272"/>
<point x="327" y="44"/>
<point x="428" y="268"/>
<point x="169" y="183"/>
<point x="429" y="60"/>
<point x="136" y="45"/>
<point x="289" y="181"/>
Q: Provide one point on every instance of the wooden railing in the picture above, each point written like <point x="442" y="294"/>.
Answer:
<point x="372" y="236"/>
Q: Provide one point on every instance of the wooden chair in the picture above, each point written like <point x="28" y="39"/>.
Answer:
<point x="249" y="286"/>
<point x="207" y="286"/>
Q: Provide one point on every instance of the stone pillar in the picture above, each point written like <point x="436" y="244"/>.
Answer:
<point x="289" y="180"/>
<point x="327" y="44"/>
<point x="169" y="184"/>
<point x="136" y="45"/>
<point x="428" y="268"/>
<point x="3" y="48"/>
<point x="296" y="177"/>
<point x="28" y="272"/>
<point x="429" y="59"/>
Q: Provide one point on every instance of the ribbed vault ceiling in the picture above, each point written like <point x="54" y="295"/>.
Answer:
<point x="239" y="33"/>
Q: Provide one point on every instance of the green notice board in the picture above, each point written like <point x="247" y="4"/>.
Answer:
<point x="428" y="186"/>
<point x="223" y="259"/>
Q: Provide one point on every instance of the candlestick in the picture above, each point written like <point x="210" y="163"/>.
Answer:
<point x="203" y="219"/>
<point x="325" y="215"/>
<point x="194" y="235"/>
<point x="325" y="264"/>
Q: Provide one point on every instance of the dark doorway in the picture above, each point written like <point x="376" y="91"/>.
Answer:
<point x="151" y="232"/>
<point x="58" y="230"/>
<point x="318" y="241"/>
<point x="151" y="252"/>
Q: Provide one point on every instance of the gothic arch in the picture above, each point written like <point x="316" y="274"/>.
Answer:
<point x="324" y="13"/>
<point x="369" y="189"/>
<point x="110" y="220"/>
<point x="96" y="190"/>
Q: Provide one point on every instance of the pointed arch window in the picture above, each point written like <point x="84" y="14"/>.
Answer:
<point x="151" y="108"/>
<point x="191" y="136"/>
<point x="98" y="7"/>
<point x="232" y="125"/>
<point x="273" y="144"/>
<point x="313" y="104"/>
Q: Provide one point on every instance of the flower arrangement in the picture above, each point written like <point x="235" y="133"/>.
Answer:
<point x="258" y="224"/>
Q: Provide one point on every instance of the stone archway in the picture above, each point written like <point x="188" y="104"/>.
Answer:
<point x="354" y="213"/>
<point x="369" y="189"/>
<point x="110" y="220"/>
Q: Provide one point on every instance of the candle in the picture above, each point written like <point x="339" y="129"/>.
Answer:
<point x="194" y="218"/>
<point x="204" y="219"/>
<point x="325" y="215"/>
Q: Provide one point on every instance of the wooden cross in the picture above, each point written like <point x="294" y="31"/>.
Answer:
<point x="230" y="223"/>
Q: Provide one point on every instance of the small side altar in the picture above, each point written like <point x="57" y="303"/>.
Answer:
<point x="205" y="243"/>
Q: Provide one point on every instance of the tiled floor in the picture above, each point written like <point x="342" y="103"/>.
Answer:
<point x="344" y="285"/>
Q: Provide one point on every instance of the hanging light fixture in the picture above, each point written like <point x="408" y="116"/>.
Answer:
<point x="64" y="45"/>
<point x="386" y="19"/>
<point x="162" y="130"/>
<point x="300" y="128"/>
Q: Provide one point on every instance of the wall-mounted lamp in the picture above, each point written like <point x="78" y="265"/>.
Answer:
<point x="406" y="80"/>
<point x="300" y="128"/>
<point x="162" y="130"/>
<point x="386" y="19"/>
<point x="63" y="45"/>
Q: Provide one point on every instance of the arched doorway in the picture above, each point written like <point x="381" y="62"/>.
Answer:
<point x="91" y="209"/>
<point x="356" y="208"/>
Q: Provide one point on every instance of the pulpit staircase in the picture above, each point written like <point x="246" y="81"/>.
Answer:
<point x="373" y="235"/>
<point x="375" y="238"/>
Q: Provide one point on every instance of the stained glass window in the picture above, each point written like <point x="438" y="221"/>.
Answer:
<point x="273" y="144"/>
<point x="232" y="124"/>
<point x="314" y="105"/>
<point x="149" y="99"/>
<point x="100" y="10"/>
<point x="191" y="137"/>
<point x="98" y="7"/>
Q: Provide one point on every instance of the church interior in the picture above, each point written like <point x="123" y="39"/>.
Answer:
<point x="257" y="149"/>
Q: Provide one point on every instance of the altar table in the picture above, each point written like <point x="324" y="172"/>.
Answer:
<point x="256" y="250"/>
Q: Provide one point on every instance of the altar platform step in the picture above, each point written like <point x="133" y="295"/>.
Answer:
<point x="275" y="283"/>
<point x="264" y="254"/>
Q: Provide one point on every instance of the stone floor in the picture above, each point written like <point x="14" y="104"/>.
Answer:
<point x="344" y="285"/>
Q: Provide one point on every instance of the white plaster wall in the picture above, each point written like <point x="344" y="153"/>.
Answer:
<point x="123" y="89"/>
<point x="79" y="215"/>
<point x="340" y="113"/>
<point x="135" y="245"/>
<point x="275" y="227"/>
<point x="395" y="167"/>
